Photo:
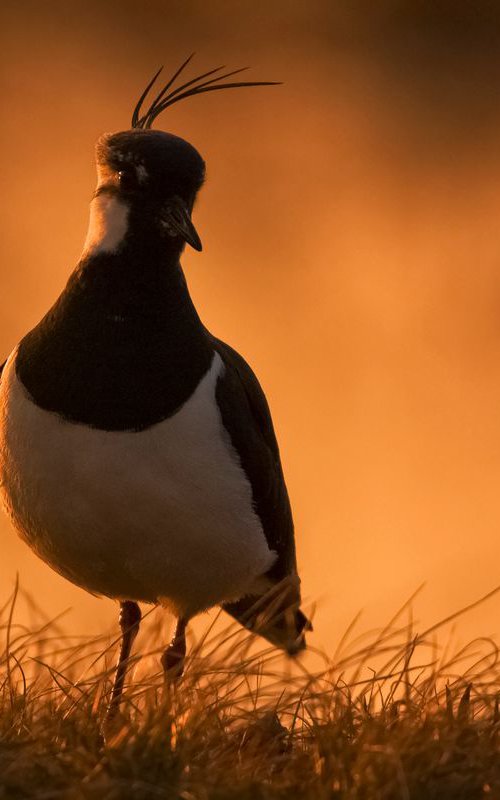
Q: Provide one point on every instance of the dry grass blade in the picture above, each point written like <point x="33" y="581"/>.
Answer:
<point x="243" y="723"/>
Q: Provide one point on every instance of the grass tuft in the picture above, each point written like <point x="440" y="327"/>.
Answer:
<point x="392" y="715"/>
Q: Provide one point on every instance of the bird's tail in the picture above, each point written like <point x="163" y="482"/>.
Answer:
<point x="276" y="615"/>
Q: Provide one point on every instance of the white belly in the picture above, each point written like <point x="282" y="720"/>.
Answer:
<point x="162" y="515"/>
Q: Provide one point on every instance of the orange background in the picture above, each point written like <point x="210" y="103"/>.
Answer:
<point x="351" y="253"/>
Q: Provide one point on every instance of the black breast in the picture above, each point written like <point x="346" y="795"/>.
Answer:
<point x="119" y="350"/>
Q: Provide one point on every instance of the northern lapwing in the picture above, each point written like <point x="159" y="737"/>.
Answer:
<point x="137" y="452"/>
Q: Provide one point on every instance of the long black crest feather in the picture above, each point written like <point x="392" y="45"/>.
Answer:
<point x="197" y="85"/>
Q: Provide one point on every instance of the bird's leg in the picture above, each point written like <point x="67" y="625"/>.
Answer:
<point x="173" y="658"/>
<point x="130" y="618"/>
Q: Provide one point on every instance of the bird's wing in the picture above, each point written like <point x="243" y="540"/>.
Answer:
<point x="247" y="419"/>
<point x="1" y="368"/>
<point x="245" y="415"/>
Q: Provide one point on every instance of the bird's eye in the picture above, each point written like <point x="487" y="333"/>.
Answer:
<point x="127" y="179"/>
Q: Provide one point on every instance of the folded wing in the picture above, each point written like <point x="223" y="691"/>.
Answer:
<point x="247" y="420"/>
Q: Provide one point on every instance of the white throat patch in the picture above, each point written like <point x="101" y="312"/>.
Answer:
<point x="107" y="225"/>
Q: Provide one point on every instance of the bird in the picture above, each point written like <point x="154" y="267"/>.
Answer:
<point x="138" y="457"/>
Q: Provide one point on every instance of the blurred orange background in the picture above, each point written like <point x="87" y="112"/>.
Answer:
<point x="351" y="253"/>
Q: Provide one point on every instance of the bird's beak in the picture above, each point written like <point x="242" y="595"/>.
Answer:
<point x="177" y="220"/>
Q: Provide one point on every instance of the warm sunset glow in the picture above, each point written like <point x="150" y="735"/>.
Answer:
<point x="351" y="253"/>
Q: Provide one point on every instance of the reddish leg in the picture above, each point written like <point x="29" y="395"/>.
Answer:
<point x="130" y="618"/>
<point x="173" y="658"/>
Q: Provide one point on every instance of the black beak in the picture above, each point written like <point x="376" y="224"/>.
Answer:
<point x="177" y="220"/>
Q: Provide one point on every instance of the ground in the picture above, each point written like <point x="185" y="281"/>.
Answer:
<point x="390" y="717"/>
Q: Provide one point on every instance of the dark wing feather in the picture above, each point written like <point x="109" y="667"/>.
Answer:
<point x="247" y="419"/>
<point x="1" y="368"/>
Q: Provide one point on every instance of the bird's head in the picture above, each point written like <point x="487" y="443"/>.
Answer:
<point x="156" y="175"/>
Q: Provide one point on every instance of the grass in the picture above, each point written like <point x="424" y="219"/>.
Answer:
<point x="390" y="715"/>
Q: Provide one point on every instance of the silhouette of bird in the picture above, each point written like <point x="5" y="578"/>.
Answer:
<point x="137" y="453"/>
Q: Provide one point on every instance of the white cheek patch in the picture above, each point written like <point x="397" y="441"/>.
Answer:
<point x="107" y="226"/>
